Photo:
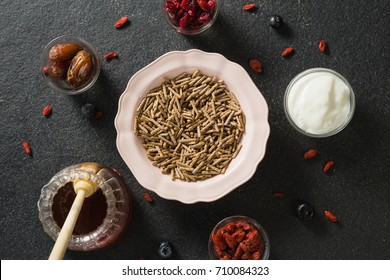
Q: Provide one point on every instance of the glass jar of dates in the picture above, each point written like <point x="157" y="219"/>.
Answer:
<point x="190" y="17"/>
<point x="239" y="238"/>
<point x="70" y="64"/>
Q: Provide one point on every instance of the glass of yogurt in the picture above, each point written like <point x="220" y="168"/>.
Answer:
<point x="319" y="102"/>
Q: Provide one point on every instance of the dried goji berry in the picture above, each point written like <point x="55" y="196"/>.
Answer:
<point x="287" y="51"/>
<point x="322" y="45"/>
<point x="26" y="147"/>
<point x="330" y="216"/>
<point x="243" y="243"/>
<point x="328" y="166"/>
<point x="98" y="115"/>
<point x="278" y="194"/>
<point x="122" y="21"/>
<point x="310" y="153"/>
<point x="46" y="69"/>
<point x="110" y="55"/>
<point x="46" y="111"/>
<point x="256" y="65"/>
<point x="148" y="197"/>
<point x="249" y="6"/>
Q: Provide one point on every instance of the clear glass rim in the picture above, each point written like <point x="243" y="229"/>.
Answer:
<point x="191" y="32"/>
<point x="318" y="70"/>
<point x="256" y="224"/>
<point x="90" y="48"/>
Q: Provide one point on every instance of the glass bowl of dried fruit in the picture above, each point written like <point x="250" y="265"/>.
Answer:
<point x="239" y="238"/>
<point x="190" y="17"/>
<point x="192" y="126"/>
<point x="70" y="64"/>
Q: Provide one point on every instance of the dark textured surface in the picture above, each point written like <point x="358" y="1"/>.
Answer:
<point x="358" y="192"/>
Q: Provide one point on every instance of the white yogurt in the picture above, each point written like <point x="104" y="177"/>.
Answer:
<point x="319" y="102"/>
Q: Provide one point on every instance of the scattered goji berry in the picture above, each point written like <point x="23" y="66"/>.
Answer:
<point x="45" y="69"/>
<point x="148" y="197"/>
<point x="122" y="21"/>
<point x="98" y="115"/>
<point x="330" y="216"/>
<point x="110" y="55"/>
<point x="287" y="51"/>
<point x="256" y="65"/>
<point x="278" y="194"/>
<point x="322" y="45"/>
<point x="46" y="111"/>
<point x="249" y="6"/>
<point x="26" y="147"/>
<point x="310" y="153"/>
<point x="328" y="166"/>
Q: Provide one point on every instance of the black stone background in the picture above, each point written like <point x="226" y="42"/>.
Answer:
<point x="358" y="191"/>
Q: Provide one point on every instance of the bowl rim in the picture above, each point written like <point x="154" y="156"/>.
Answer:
<point x="306" y="72"/>
<point x="256" y="132"/>
<point x="80" y="40"/>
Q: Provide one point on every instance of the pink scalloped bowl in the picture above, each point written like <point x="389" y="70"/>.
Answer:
<point x="254" y="139"/>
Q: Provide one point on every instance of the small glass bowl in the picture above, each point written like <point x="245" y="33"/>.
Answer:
<point x="189" y="31"/>
<point x="265" y="246"/>
<point x="337" y="129"/>
<point x="59" y="84"/>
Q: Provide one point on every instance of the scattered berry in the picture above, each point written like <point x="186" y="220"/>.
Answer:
<point x="46" y="111"/>
<point x="305" y="211"/>
<point x="309" y="154"/>
<point x="88" y="111"/>
<point x="330" y="216"/>
<point x="328" y="166"/>
<point x="287" y="51"/>
<point x="165" y="250"/>
<point x="148" y="197"/>
<point x="26" y="147"/>
<point x="278" y="194"/>
<point x="248" y="7"/>
<point x="322" y="46"/>
<point x="256" y="65"/>
<point x="276" y="21"/>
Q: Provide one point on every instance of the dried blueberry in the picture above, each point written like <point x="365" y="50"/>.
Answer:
<point x="276" y="21"/>
<point x="165" y="250"/>
<point x="88" y="111"/>
<point x="305" y="211"/>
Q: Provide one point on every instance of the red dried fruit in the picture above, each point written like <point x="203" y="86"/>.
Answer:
<point x="148" y="197"/>
<point x="322" y="45"/>
<point x="110" y="55"/>
<point x="311" y="153"/>
<point x="46" y="70"/>
<point x="206" y="5"/>
<point x="46" y="111"/>
<point x="248" y="6"/>
<point x="328" y="166"/>
<point x="98" y="115"/>
<point x="26" y="147"/>
<point x="256" y="65"/>
<point x="121" y="22"/>
<point x="190" y="15"/>
<point x="330" y="216"/>
<point x="278" y="194"/>
<point x="219" y="241"/>
<point x="287" y="51"/>
<point x="237" y="240"/>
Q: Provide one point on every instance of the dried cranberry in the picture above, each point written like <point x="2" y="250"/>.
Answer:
<point x="204" y="17"/>
<point x="190" y="14"/>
